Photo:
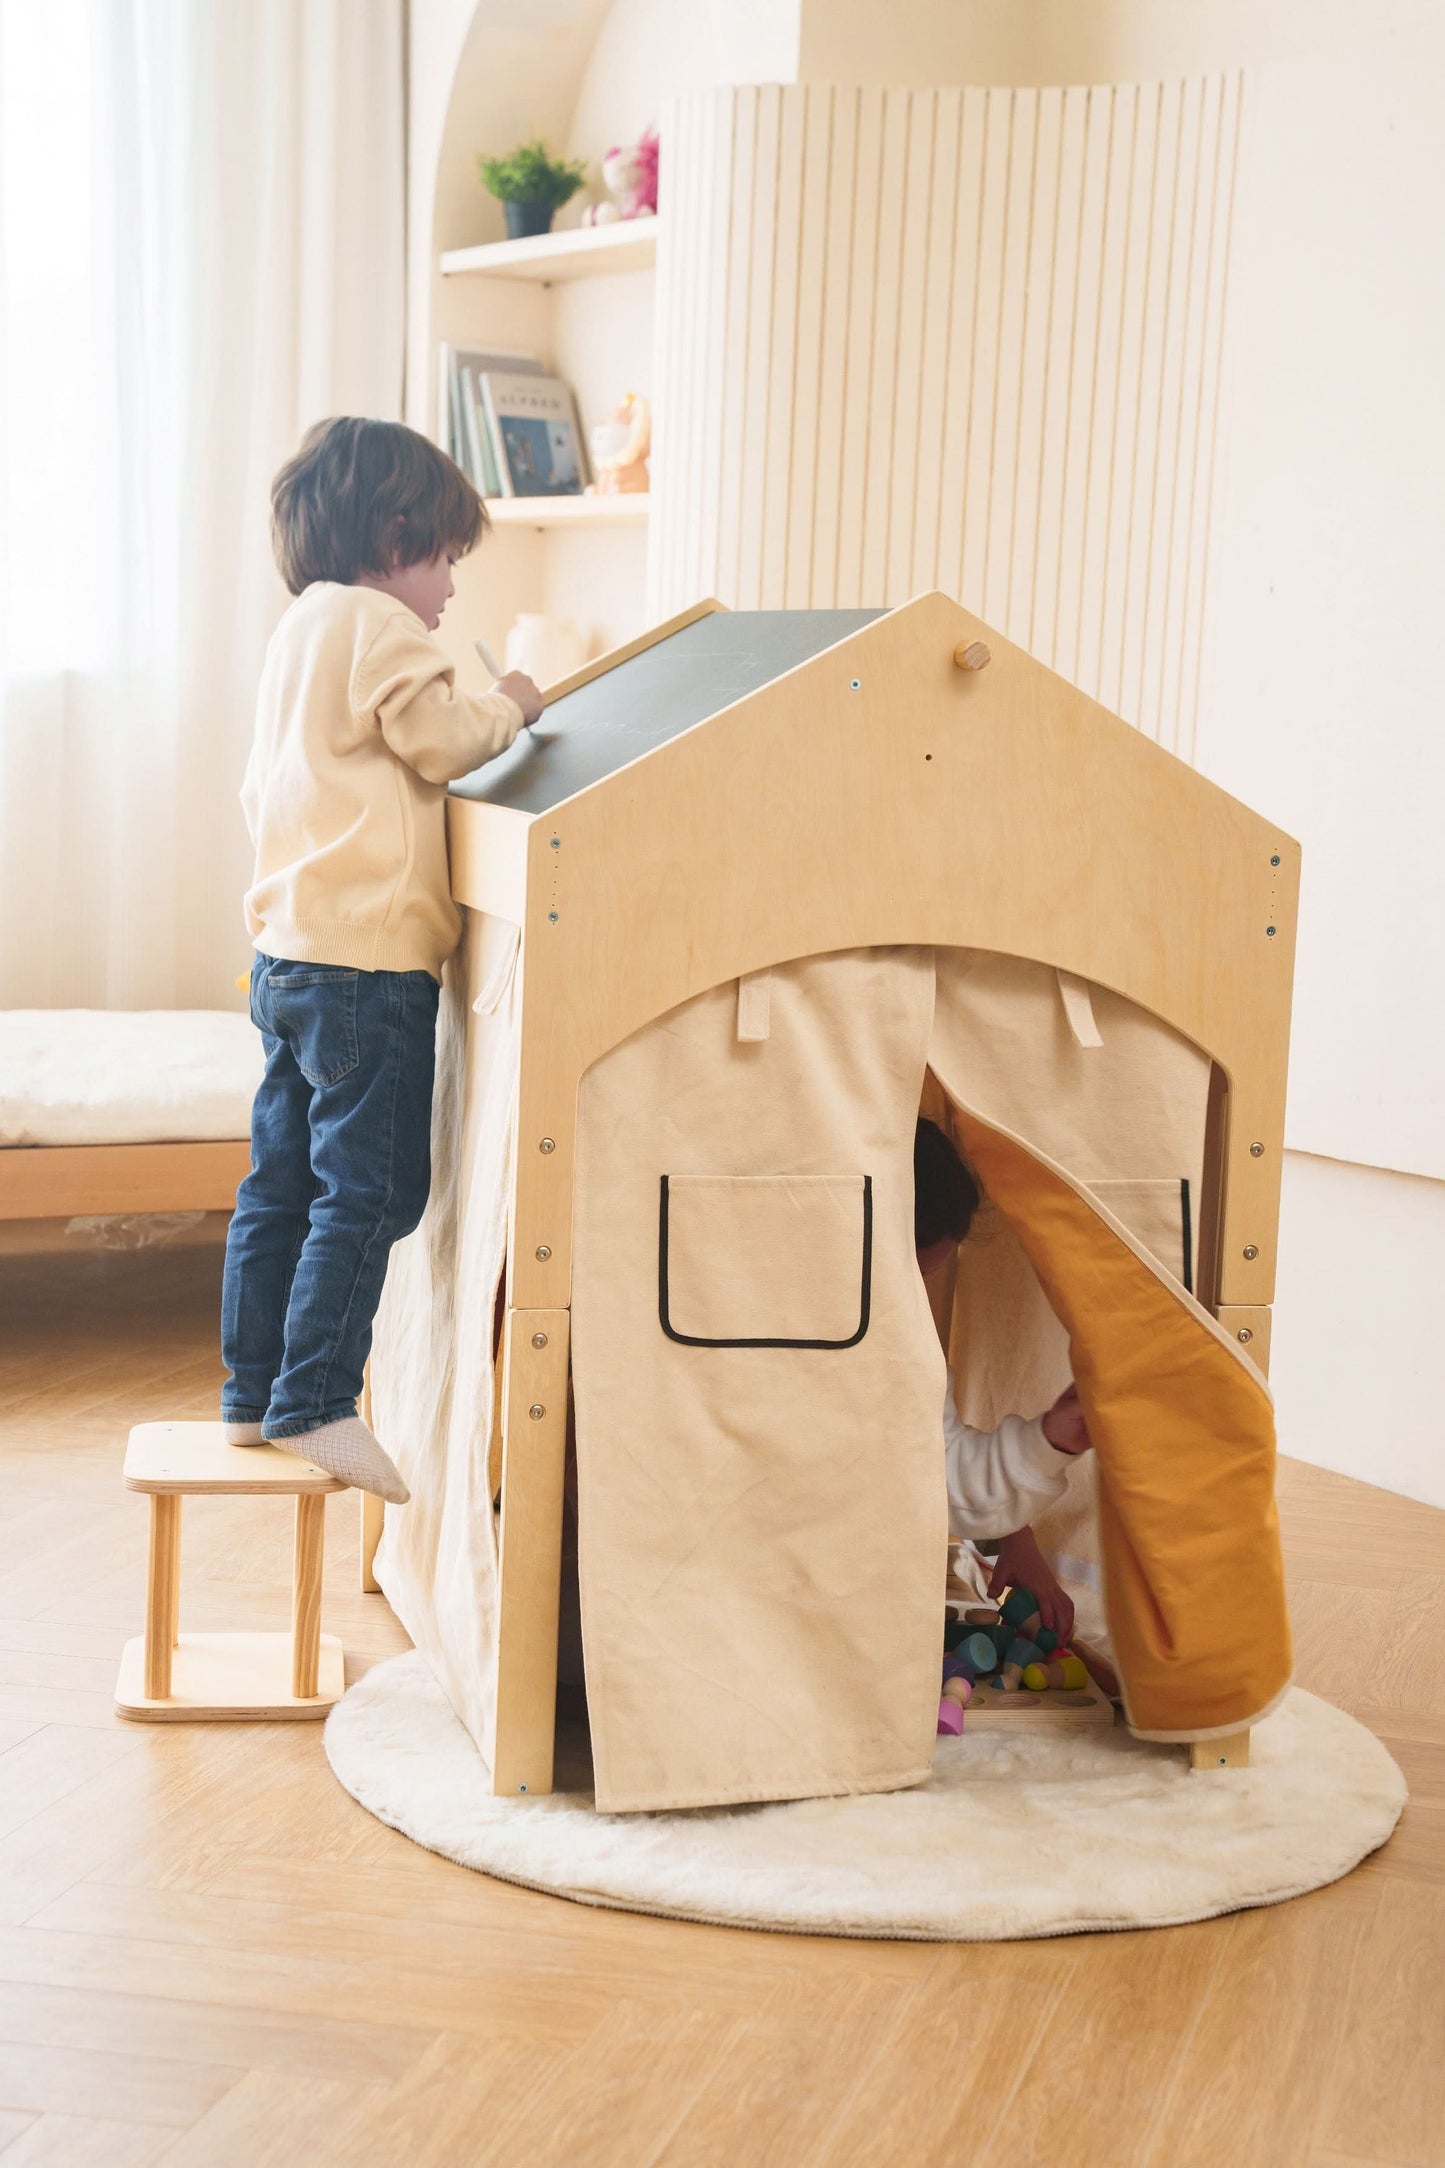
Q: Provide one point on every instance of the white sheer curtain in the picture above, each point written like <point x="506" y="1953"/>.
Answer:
<point x="201" y="251"/>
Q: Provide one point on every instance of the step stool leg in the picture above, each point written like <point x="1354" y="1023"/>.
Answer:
<point x="163" y="1592"/>
<point x="306" y="1596"/>
<point x="176" y="1584"/>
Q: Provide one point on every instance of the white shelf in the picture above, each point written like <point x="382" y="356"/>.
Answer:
<point x="581" y="252"/>
<point x="622" y="511"/>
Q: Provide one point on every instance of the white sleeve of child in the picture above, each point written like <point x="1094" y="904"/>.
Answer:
<point x="998" y="1479"/>
<point x="408" y="683"/>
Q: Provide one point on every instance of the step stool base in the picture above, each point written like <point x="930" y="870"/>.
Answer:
<point x="220" y="1678"/>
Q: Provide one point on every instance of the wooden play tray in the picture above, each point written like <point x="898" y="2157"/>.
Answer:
<point x="1056" y="1705"/>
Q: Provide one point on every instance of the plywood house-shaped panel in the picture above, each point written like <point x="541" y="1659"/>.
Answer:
<point x="755" y="889"/>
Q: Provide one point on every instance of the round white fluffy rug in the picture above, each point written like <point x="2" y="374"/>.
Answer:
<point x="1010" y="1837"/>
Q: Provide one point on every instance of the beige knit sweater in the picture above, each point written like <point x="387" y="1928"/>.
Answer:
<point x="359" y="729"/>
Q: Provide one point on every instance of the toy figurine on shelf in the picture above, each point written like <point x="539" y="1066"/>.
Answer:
<point x="630" y="172"/>
<point x="619" y="449"/>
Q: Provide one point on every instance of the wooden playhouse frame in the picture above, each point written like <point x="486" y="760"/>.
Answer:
<point x="951" y="806"/>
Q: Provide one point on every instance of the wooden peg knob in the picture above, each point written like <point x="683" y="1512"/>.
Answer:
<point x="971" y="655"/>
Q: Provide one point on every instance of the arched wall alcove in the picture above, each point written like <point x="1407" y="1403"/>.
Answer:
<point x="898" y="338"/>
<point x="485" y="74"/>
<point x="584" y="74"/>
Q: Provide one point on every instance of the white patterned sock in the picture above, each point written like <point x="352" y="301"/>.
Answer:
<point x="242" y="1433"/>
<point x="348" y="1449"/>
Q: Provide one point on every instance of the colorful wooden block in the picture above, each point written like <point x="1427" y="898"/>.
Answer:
<point x="1068" y="1673"/>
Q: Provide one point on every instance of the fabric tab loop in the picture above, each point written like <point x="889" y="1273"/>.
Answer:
<point x="755" y="1005"/>
<point x="1078" y="1008"/>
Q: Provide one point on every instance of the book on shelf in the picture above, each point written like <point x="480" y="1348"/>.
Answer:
<point x="536" y="438"/>
<point x="462" y="428"/>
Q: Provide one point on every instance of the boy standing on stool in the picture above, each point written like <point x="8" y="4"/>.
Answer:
<point x="359" y="729"/>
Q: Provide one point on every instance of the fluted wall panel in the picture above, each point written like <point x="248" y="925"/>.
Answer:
<point x="966" y="339"/>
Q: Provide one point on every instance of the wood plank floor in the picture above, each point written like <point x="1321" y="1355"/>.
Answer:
<point x="210" y="1955"/>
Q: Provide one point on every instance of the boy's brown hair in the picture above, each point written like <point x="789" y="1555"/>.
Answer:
<point x="361" y="495"/>
<point x="946" y="1194"/>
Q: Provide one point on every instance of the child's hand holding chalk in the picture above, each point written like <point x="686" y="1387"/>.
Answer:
<point x="519" y="687"/>
<point x="515" y="684"/>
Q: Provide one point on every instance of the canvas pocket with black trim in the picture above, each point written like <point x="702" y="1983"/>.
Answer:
<point x="765" y="1260"/>
<point x="1158" y="1211"/>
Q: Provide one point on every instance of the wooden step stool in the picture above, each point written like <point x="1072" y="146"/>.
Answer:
<point x="168" y="1674"/>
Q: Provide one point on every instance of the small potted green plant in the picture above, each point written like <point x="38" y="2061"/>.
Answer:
<point x="531" y="186"/>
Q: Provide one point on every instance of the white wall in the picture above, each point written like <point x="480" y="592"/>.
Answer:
<point x="1320" y="700"/>
<point x="1354" y="1366"/>
<point x="1323" y="697"/>
<point x="436" y="35"/>
<point x="648" y="51"/>
<point x="1048" y="41"/>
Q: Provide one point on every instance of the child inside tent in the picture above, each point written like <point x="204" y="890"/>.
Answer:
<point x="996" y="1479"/>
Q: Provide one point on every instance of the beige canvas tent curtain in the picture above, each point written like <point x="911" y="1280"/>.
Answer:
<point x="759" y="1381"/>
<point x="433" y="1367"/>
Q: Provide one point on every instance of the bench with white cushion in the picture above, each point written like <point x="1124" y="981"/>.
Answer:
<point x="124" y="1110"/>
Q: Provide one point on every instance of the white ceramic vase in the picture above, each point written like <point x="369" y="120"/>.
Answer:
<point x="547" y="648"/>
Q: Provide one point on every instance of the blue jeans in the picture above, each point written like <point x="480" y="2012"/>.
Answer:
<point x="340" y="1168"/>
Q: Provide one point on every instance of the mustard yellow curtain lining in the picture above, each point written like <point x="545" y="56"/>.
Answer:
<point x="1184" y="1437"/>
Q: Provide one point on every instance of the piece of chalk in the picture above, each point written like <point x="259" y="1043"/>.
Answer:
<point x="950" y="1719"/>
<point x="960" y="1691"/>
